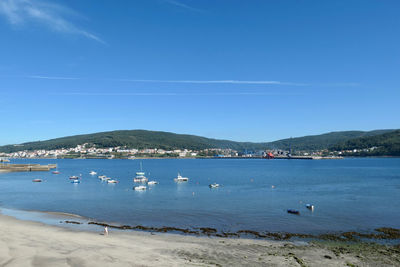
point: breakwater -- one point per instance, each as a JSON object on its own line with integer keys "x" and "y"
{"x": 26, "y": 167}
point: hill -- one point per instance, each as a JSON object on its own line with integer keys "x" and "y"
{"x": 386, "y": 144}
{"x": 165, "y": 140}
{"x": 135, "y": 139}
{"x": 322, "y": 141}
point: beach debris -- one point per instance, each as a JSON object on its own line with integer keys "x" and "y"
{"x": 250, "y": 232}
{"x": 207, "y": 230}
{"x": 383, "y": 233}
{"x": 72, "y": 222}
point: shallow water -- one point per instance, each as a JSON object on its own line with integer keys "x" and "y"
{"x": 349, "y": 194}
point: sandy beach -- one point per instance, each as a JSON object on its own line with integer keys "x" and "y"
{"x": 25, "y": 243}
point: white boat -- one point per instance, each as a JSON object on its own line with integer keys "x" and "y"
{"x": 93, "y": 173}
{"x": 214, "y": 185}
{"x": 112, "y": 181}
{"x": 140, "y": 176}
{"x": 104, "y": 178}
{"x": 140, "y": 188}
{"x": 181, "y": 179}
{"x": 74, "y": 177}
{"x": 310, "y": 207}
{"x": 140, "y": 179}
{"x": 152, "y": 182}
{"x": 75, "y": 181}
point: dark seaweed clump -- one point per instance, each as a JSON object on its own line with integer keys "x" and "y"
{"x": 379, "y": 234}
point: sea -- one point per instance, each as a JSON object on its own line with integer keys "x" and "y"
{"x": 351, "y": 194}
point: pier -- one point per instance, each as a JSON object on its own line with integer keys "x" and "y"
{"x": 279, "y": 157}
{"x": 25, "y": 167}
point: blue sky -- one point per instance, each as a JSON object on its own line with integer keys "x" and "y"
{"x": 242, "y": 70}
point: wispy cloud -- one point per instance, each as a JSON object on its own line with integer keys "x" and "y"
{"x": 205, "y": 82}
{"x": 51, "y": 77}
{"x": 216, "y": 82}
{"x": 53, "y": 16}
{"x": 182, "y": 5}
{"x": 176, "y": 94}
{"x": 245, "y": 82}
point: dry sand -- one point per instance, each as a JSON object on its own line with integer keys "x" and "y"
{"x": 24, "y": 243}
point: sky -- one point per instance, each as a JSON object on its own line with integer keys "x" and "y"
{"x": 257, "y": 70}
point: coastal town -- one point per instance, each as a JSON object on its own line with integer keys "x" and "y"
{"x": 88, "y": 151}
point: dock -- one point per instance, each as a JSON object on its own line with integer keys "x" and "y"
{"x": 294, "y": 157}
{"x": 26, "y": 167}
{"x": 279, "y": 157}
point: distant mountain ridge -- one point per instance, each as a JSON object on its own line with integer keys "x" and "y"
{"x": 165, "y": 140}
{"x": 135, "y": 139}
{"x": 386, "y": 144}
{"x": 323, "y": 141}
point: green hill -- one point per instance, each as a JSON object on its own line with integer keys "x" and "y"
{"x": 387, "y": 144}
{"x": 135, "y": 139}
{"x": 165, "y": 140}
{"x": 322, "y": 141}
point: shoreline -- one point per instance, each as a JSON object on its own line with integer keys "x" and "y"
{"x": 26, "y": 243}
{"x": 385, "y": 235}
{"x": 216, "y": 158}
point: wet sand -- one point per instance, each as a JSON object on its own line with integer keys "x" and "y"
{"x": 25, "y": 243}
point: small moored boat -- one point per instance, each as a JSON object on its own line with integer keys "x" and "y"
{"x": 74, "y": 177}
{"x": 37, "y": 180}
{"x": 310, "y": 207}
{"x": 181, "y": 179}
{"x": 140, "y": 176}
{"x": 152, "y": 182}
{"x": 214, "y": 185}
{"x": 93, "y": 173}
{"x": 104, "y": 178}
{"x": 291, "y": 211}
{"x": 112, "y": 181}
{"x": 140, "y": 188}
{"x": 140, "y": 179}
{"x": 75, "y": 181}
{"x": 55, "y": 172}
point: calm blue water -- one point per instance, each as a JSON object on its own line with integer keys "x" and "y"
{"x": 349, "y": 194}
